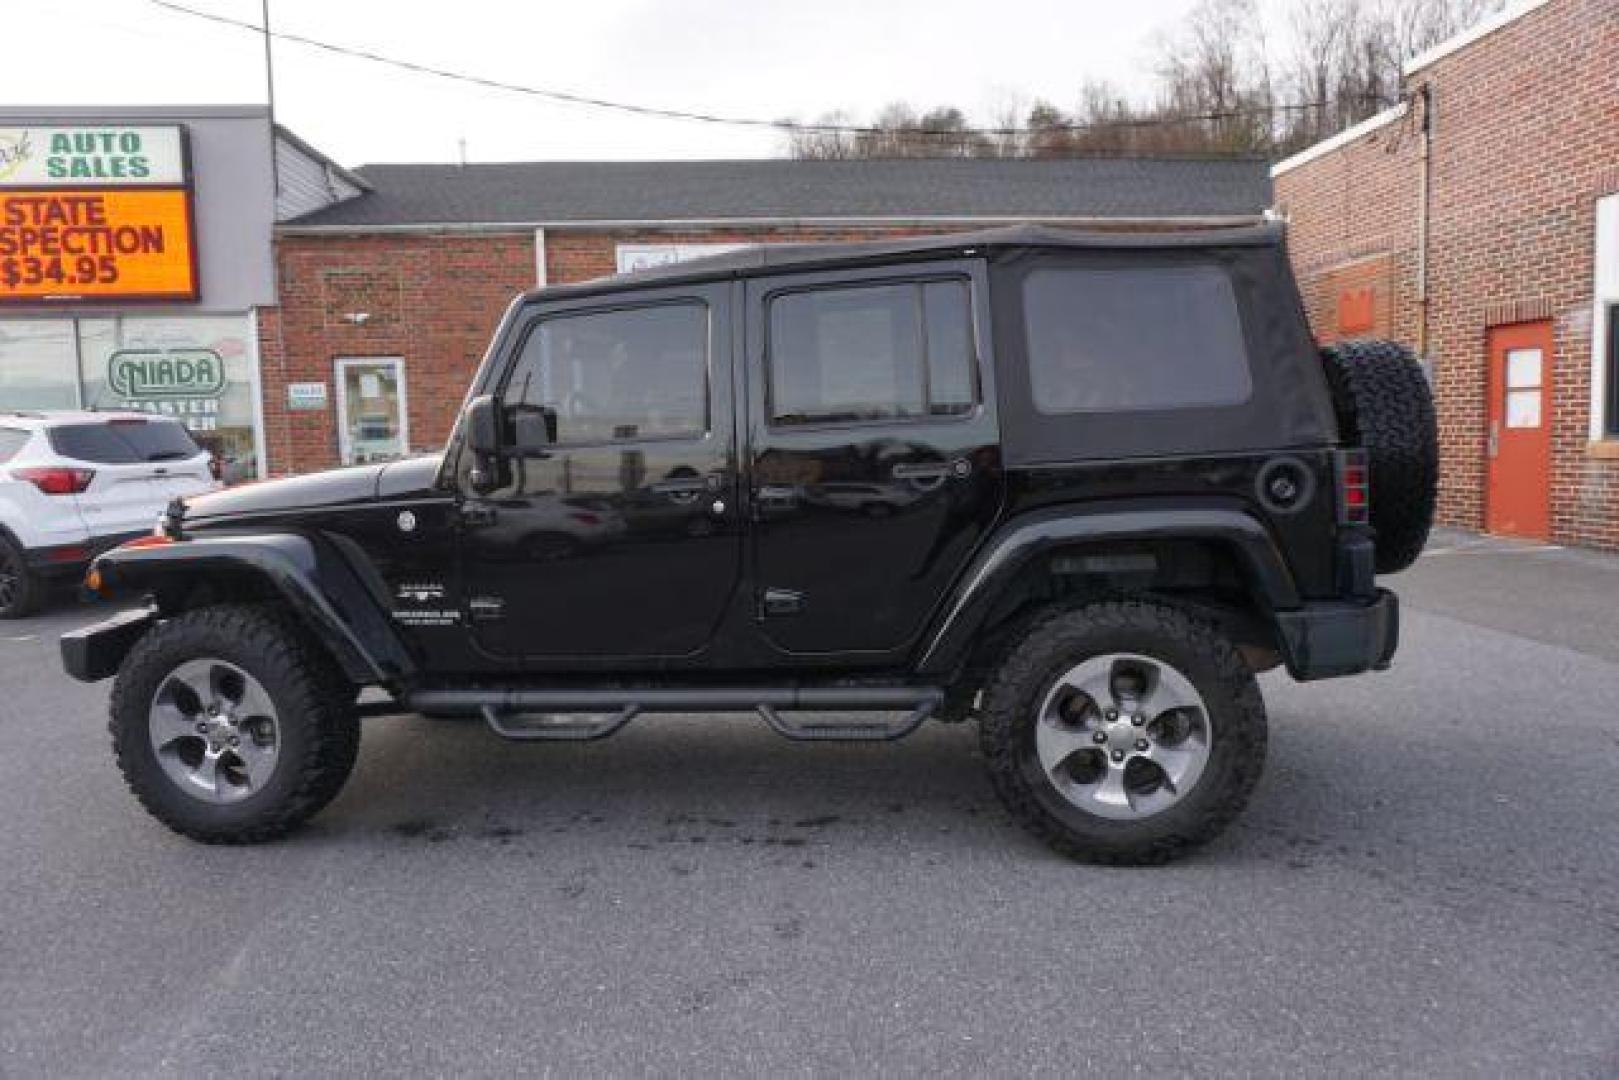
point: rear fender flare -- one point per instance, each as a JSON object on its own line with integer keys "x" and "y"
{"x": 323, "y": 591}
{"x": 1019, "y": 542}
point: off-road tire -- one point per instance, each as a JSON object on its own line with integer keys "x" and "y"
{"x": 1385, "y": 405}
{"x": 319, "y": 729}
{"x": 1065, "y": 637}
{"x": 25, "y": 587}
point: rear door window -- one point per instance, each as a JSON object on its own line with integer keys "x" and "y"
{"x": 1134, "y": 339}
{"x": 11, "y": 441}
{"x": 124, "y": 442}
{"x": 872, "y": 352}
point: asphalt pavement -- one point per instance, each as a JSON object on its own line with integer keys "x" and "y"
{"x": 1427, "y": 882}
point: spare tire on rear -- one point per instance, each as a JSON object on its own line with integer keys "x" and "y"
{"x": 1384, "y": 405}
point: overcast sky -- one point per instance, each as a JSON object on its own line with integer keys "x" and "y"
{"x": 766, "y": 58}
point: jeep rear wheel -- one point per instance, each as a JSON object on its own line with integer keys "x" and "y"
{"x": 1123, "y": 732}
{"x": 230, "y": 726}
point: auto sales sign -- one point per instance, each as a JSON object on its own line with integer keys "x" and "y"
{"x": 95, "y": 213}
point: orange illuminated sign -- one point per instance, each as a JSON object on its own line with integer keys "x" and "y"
{"x": 125, "y": 243}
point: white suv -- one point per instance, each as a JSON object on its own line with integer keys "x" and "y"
{"x": 73, "y": 484}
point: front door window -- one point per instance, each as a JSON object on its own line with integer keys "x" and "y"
{"x": 372, "y": 423}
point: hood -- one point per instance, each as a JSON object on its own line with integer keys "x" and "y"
{"x": 334, "y": 488}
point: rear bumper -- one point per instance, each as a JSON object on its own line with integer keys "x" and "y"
{"x": 95, "y": 652}
{"x": 1341, "y": 637}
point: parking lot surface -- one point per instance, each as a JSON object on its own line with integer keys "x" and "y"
{"x": 1427, "y": 882}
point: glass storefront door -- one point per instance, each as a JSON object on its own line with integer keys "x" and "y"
{"x": 372, "y": 424}
{"x": 200, "y": 369}
{"x": 38, "y": 364}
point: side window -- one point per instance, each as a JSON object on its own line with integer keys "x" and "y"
{"x": 601, "y": 377}
{"x": 1134, "y": 338}
{"x": 872, "y": 352}
{"x": 11, "y": 441}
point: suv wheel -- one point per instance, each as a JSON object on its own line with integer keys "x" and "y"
{"x": 19, "y": 588}
{"x": 1123, "y": 732}
{"x": 230, "y": 726}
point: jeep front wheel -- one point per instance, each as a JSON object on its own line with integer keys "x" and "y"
{"x": 230, "y": 726}
{"x": 1124, "y": 732}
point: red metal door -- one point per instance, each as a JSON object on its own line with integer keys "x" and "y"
{"x": 1519, "y": 440}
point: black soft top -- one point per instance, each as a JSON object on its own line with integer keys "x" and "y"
{"x": 1288, "y": 405}
{"x": 773, "y": 258}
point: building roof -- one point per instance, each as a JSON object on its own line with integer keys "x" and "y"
{"x": 566, "y": 192}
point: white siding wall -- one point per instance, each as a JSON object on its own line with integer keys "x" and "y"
{"x": 306, "y": 183}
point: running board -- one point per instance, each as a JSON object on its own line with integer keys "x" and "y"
{"x": 505, "y": 710}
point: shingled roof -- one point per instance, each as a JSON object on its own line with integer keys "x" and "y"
{"x": 560, "y": 192}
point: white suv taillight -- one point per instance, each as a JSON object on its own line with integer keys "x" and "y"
{"x": 56, "y": 481}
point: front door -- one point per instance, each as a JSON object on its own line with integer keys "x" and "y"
{"x": 619, "y": 541}
{"x": 874, "y": 462}
{"x": 1519, "y": 438}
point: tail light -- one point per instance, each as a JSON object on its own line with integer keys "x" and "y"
{"x": 54, "y": 481}
{"x": 1354, "y": 488}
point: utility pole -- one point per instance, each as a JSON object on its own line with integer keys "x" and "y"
{"x": 269, "y": 92}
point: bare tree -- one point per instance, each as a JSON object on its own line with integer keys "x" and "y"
{"x": 1218, "y": 91}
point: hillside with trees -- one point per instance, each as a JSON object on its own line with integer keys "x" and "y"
{"x": 1220, "y": 87}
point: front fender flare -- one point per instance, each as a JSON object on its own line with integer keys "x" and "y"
{"x": 315, "y": 581}
{"x": 1024, "y": 539}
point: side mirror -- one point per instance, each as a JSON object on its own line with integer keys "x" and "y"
{"x": 483, "y": 428}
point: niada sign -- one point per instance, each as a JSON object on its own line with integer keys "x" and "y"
{"x": 166, "y": 374}
{"x": 91, "y": 156}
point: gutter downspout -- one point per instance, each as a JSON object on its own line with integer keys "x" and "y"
{"x": 1425, "y": 184}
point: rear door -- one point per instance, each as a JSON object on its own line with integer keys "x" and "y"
{"x": 139, "y": 465}
{"x": 873, "y": 456}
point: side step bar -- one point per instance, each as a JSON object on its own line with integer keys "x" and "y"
{"x": 614, "y": 709}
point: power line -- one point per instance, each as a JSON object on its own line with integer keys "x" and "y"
{"x": 791, "y": 126}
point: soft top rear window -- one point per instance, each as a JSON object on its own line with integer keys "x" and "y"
{"x": 1125, "y": 339}
{"x": 124, "y": 442}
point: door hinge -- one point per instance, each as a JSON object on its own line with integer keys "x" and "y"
{"x": 477, "y": 514}
{"x": 782, "y": 601}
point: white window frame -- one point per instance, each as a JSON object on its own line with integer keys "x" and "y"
{"x": 1606, "y": 295}
{"x": 339, "y": 370}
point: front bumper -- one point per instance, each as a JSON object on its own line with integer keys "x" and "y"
{"x": 95, "y": 652}
{"x": 1339, "y": 637}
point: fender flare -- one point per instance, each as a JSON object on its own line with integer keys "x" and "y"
{"x": 1017, "y": 543}
{"x": 318, "y": 584}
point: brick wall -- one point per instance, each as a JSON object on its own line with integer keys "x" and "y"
{"x": 432, "y": 299}
{"x": 1526, "y": 138}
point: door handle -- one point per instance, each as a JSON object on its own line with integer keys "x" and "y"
{"x": 932, "y": 470}
{"x": 1494, "y": 447}
{"x": 681, "y": 489}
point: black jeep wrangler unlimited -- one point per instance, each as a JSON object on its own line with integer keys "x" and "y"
{"x": 1078, "y": 488}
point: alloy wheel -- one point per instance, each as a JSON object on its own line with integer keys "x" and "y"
{"x": 1123, "y": 736}
{"x": 214, "y": 730}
